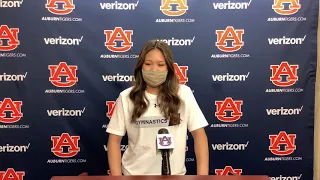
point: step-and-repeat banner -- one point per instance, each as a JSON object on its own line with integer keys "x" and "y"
{"x": 250, "y": 63}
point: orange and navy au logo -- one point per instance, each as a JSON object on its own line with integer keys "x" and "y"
{"x": 14, "y": 109}
{"x": 63, "y": 69}
{"x": 230, "y": 34}
{"x": 110, "y": 106}
{"x": 67, "y": 6}
{"x": 10, "y": 173}
{"x": 288, "y": 140}
{"x": 279, "y": 6}
{"x": 284, "y": 69}
{"x": 167, "y": 7}
{"x": 228, "y": 105}
{"x": 228, "y": 170}
{"x": 181, "y": 72}
{"x": 65, "y": 140}
{"x": 165, "y": 141}
{"x": 118, "y": 35}
{"x": 11, "y": 36}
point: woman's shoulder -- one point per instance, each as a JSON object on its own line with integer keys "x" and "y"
{"x": 184, "y": 89}
{"x": 184, "y": 92}
{"x": 125, "y": 93}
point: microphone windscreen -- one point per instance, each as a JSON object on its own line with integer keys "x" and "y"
{"x": 163, "y": 131}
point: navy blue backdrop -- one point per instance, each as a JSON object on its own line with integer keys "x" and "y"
{"x": 250, "y": 63}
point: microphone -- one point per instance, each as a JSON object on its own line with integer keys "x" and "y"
{"x": 164, "y": 144}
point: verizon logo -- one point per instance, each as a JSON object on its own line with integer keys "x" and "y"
{"x": 63, "y": 41}
{"x": 229, "y": 147}
{"x": 10, "y": 4}
{"x": 286, "y": 177}
{"x": 119, "y": 6}
{"x": 122, "y": 147}
{"x": 118, "y": 78}
{"x": 66, "y": 112}
{"x": 230, "y": 77}
{"x": 13, "y": 77}
{"x": 284, "y": 112}
{"x": 13, "y": 148}
{"x": 232, "y": 5}
{"x": 178, "y": 42}
{"x": 286, "y": 40}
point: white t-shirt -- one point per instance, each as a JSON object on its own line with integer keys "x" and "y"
{"x": 141, "y": 157}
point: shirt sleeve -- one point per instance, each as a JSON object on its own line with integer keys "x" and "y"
{"x": 196, "y": 119}
{"x": 117, "y": 122}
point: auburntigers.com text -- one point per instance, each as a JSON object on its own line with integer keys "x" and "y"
{"x": 52, "y": 161}
{"x": 64, "y": 91}
{"x": 229, "y": 125}
{"x": 111, "y": 56}
{"x": 13, "y": 55}
{"x": 14, "y": 126}
{"x": 60, "y": 19}
{"x": 283, "y": 159}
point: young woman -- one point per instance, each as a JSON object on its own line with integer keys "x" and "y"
{"x": 155, "y": 101}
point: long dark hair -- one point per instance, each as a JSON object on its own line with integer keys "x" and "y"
{"x": 168, "y": 98}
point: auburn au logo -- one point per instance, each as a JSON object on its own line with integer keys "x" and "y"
{"x": 63, "y": 69}
{"x": 181, "y": 72}
{"x": 110, "y": 106}
{"x": 67, "y": 6}
{"x": 124, "y": 37}
{"x": 284, "y": 71}
{"x": 288, "y": 140}
{"x": 165, "y": 141}
{"x": 228, "y": 105}
{"x": 65, "y": 140}
{"x": 279, "y": 6}
{"x": 228, "y": 170}
{"x": 14, "y": 109}
{"x": 230, "y": 34}
{"x": 167, "y": 7}
{"x": 10, "y": 173}
{"x": 11, "y": 35}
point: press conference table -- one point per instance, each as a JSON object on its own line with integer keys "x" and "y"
{"x": 186, "y": 177}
